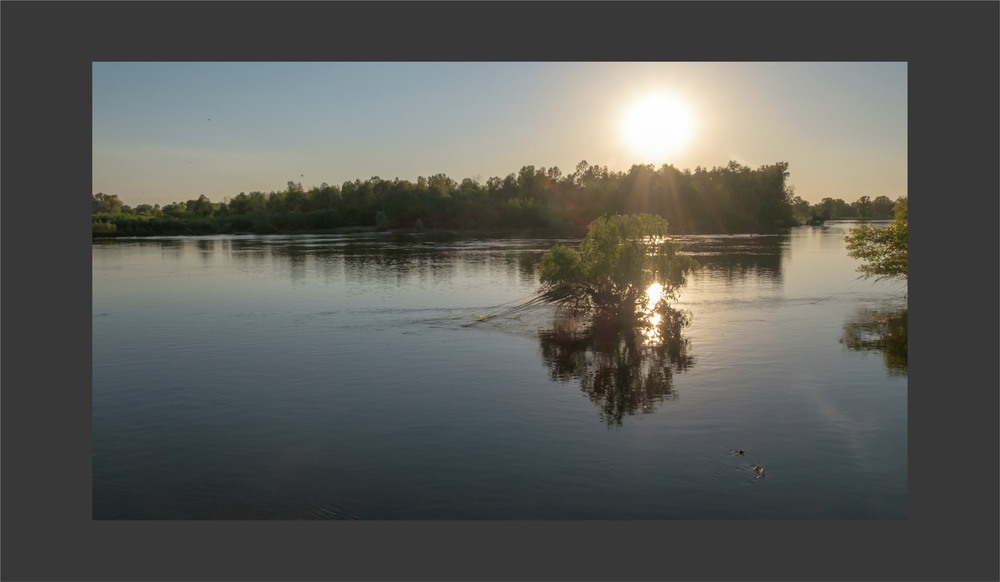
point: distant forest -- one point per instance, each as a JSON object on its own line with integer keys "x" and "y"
{"x": 729, "y": 199}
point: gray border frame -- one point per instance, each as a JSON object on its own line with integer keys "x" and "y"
{"x": 48, "y": 47}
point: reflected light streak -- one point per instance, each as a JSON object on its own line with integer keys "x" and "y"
{"x": 653, "y": 295}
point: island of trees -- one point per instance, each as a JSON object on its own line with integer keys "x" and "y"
{"x": 728, "y": 199}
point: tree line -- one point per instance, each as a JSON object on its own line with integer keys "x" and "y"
{"x": 866, "y": 208}
{"x": 727, "y": 199}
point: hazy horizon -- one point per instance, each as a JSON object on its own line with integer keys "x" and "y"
{"x": 170, "y": 132}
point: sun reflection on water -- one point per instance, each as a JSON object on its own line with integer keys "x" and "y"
{"x": 651, "y": 317}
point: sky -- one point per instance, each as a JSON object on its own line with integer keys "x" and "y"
{"x": 168, "y": 132}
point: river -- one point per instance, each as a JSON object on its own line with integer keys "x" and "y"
{"x": 355, "y": 377}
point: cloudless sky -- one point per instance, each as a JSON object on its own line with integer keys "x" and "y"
{"x": 169, "y": 132}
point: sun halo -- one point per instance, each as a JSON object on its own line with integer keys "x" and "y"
{"x": 657, "y": 126}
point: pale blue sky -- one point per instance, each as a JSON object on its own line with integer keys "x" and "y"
{"x": 167, "y": 132}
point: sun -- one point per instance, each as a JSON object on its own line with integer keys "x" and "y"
{"x": 656, "y": 127}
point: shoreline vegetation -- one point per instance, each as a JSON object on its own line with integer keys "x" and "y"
{"x": 885, "y": 250}
{"x": 731, "y": 199}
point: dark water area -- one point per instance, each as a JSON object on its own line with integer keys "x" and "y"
{"x": 360, "y": 377}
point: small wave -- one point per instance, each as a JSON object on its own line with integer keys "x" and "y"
{"x": 331, "y": 513}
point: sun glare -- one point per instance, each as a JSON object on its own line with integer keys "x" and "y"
{"x": 653, "y": 294}
{"x": 657, "y": 126}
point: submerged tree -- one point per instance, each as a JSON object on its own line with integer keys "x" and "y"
{"x": 626, "y": 348}
{"x": 883, "y": 249}
{"x": 620, "y": 260}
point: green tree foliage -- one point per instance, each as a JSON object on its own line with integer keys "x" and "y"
{"x": 103, "y": 227}
{"x": 800, "y": 208}
{"x": 619, "y": 260}
{"x": 863, "y": 207}
{"x": 883, "y": 249}
{"x": 148, "y": 210}
{"x": 835, "y": 208}
{"x": 102, "y": 203}
{"x": 882, "y": 208}
{"x": 202, "y": 207}
{"x": 324, "y": 197}
{"x": 175, "y": 210}
{"x": 247, "y": 203}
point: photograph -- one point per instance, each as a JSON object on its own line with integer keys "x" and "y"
{"x": 499, "y": 290}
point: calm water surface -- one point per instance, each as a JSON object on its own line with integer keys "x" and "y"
{"x": 351, "y": 377}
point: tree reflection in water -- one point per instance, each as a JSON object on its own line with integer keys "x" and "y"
{"x": 881, "y": 331}
{"x": 625, "y": 367}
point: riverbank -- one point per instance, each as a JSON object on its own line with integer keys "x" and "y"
{"x": 195, "y": 228}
